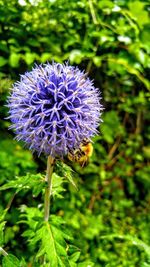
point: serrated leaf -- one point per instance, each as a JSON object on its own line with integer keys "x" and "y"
{"x": 66, "y": 172}
{"x": 57, "y": 188}
{"x": 53, "y": 245}
{"x": 36, "y": 183}
{"x": 30, "y": 216}
{"x": 30, "y": 181}
{"x": 10, "y": 261}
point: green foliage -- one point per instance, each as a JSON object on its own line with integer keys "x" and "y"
{"x": 48, "y": 234}
{"x": 112, "y": 128}
{"x": 66, "y": 172}
{"x": 53, "y": 246}
{"x": 2, "y": 225}
{"x": 11, "y": 261}
{"x": 108, "y": 214}
{"x": 135, "y": 241}
{"x": 30, "y": 181}
{"x": 50, "y": 237}
{"x": 36, "y": 183}
{"x": 14, "y": 159}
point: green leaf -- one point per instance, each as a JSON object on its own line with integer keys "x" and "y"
{"x": 66, "y": 172}
{"x": 53, "y": 245}
{"x": 35, "y": 182}
{"x": 75, "y": 256}
{"x": 137, "y": 9}
{"x": 134, "y": 241}
{"x": 145, "y": 37}
{"x": 30, "y": 57}
{"x": 86, "y": 263}
{"x": 57, "y": 188}
{"x": 143, "y": 175}
{"x": 131, "y": 69}
{"x": 33, "y": 42}
{"x": 97, "y": 61}
{"x": 2, "y": 214}
{"x": 76, "y": 56}
{"x": 3, "y": 46}
{"x": 30, "y": 216}
{"x": 3, "y": 61}
{"x": 10, "y": 261}
{"x": 111, "y": 127}
{"x": 2, "y": 226}
{"x": 14, "y": 60}
{"x": 45, "y": 57}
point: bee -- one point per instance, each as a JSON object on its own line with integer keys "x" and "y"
{"x": 82, "y": 154}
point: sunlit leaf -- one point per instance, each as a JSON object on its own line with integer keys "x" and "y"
{"x": 10, "y": 261}
{"x": 53, "y": 245}
{"x": 33, "y": 182}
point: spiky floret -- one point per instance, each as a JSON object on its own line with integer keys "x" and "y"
{"x": 53, "y": 108}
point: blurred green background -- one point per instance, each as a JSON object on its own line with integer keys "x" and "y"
{"x": 109, "y": 214}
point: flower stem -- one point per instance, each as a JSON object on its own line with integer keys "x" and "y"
{"x": 48, "y": 189}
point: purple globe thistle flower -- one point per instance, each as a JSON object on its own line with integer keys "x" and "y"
{"x": 53, "y": 108}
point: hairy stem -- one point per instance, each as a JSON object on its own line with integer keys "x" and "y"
{"x": 48, "y": 189}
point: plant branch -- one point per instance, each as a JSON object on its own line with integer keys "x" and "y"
{"x": 10, "y": 201}
{"x": 48, "y": 189}
{"x": 138, "y": 122}
{"x": 114, "y": 147}
{"x": 3, "y": 252}
{"x": 92, "y": 12}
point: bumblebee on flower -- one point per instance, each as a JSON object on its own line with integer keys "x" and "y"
{"x": 82, "y": 154}
{"x": 54, "y": 108}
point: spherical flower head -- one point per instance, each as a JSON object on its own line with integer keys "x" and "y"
{"x": 53, "y": 108}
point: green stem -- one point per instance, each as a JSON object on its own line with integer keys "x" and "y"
{"x": 3, "y": 252}
{"x": 48, "y": 189}
{"x": 93, "y": 12}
